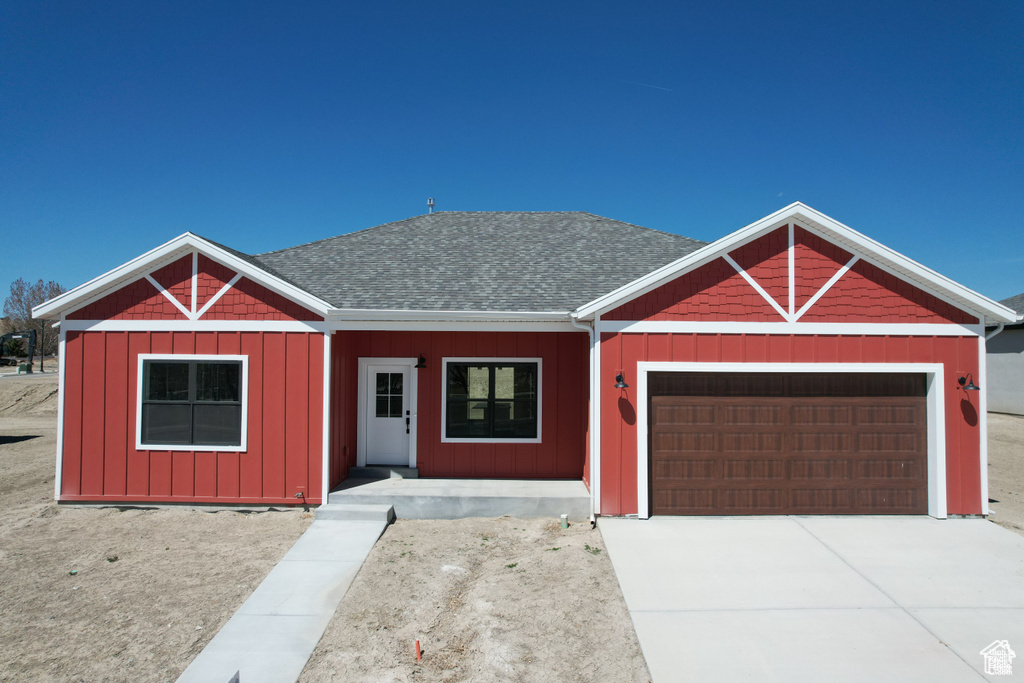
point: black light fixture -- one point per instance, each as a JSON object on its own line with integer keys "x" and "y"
{"x": 620, "y": 383}
{"x": 421, "y": 363}
{"x": 969, "y": 381}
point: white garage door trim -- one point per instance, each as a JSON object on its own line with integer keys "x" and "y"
{"x": 935, "y": 399}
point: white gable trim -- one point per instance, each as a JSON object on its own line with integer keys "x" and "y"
{"x": 874, "y": 252}
{"x": 166, "y": 253}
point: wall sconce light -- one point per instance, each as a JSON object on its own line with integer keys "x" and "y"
{"x": 620, "y": 383}
{"x": 969, "y": 381}
{"x": 422, "y": 363}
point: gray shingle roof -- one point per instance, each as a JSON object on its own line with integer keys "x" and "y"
{"x": 1015, "y": 302}
{"x": 478, "y": 261}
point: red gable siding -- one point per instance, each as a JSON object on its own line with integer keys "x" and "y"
{"x": 767, "y": 261}
{"x": 713, "y": 292}
{"x": 245, "y": 300}
{"x": 176, "y": 278}
{"x": 211, "y": 277}
{"x": 138, "y": 301}
{"x": 717, "y": 292}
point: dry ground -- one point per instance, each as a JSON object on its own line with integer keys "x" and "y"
{"x": 177, "y": 577}
{"x": 488, "y": 599}
{"x": 1006, "y": 470}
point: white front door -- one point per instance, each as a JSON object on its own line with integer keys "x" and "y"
{"x": 388, "y": 414}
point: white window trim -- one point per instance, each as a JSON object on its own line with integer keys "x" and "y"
{"x": 139, "y": 446}
{"x": 488, "y": 360}
{"x": 934, "y": 407}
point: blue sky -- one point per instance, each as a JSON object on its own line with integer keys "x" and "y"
{"x": 264, "y": 125}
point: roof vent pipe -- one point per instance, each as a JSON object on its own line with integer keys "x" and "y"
{"x": 430, "y": 205}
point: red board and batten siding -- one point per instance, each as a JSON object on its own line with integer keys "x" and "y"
{"x": 284, "y": 413}
{"x": 285, "y": 416}
{"x": 564, "y": 389}
{"x": 624, "y": 351}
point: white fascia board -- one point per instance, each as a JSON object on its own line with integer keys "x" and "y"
{"x": 359, "y": 314}
{"x": 817, "y": 222}
{"x": 169, "y": 251}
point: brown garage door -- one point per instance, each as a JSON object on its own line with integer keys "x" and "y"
{"x": 758, "y": 444}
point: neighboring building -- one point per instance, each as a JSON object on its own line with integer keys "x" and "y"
{"x": 1005, "y": 363}
{"x": 793, "y": 366}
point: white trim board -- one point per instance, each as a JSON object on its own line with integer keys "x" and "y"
{"x": 783, "y": 328}
{"x": 313, "y": 326}
{"x": 325, "y": 470}
{"x": 362, "y": 382}
{"x": 194, "y": 326}
{"x": 488, "y": 360}
{"x": 935, "y": 402}
{"x": 242, "y": 447}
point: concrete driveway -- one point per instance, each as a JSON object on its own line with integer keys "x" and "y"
{"x": 820, "y": 598}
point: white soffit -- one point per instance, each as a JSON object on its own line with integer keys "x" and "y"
{"x": 816, "y": 222}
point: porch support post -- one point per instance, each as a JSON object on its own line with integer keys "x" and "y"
{"x": 326, "y": 482}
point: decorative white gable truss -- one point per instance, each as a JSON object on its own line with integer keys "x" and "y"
{"x": 144, "y": 266}
{"x": 817, "y": 223}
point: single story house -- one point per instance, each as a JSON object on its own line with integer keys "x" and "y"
{"x": 1006, "y": 363}
{"x": 793, "y": 366}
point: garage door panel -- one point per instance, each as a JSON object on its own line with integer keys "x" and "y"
{"x": 828, "y": 469}
{"x": 759, "y": 469}
{"x": 673, "y": 441}
{"x": 813, "y": 501}
{"x": 749, "y": 415}
{"x": 886, "y": 469}
{"x": 668, "y": 470}
{"x": 891, "y": 442}
{"x": 821, "y": 442}
{"x": 822, "y": 415}
{"x": 889, "y": 415}
{"x": 779, "y": 444}
{"x": 684, "y": 414}
{"x": 751, "y": 442}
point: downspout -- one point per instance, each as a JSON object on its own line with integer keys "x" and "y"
{"x": 999, "y": 328}
{"x": 593, "y": 410}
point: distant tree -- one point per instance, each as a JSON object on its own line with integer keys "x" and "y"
{"x": 18, "y": 310}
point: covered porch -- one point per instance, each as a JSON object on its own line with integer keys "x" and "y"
{"x": 415, "y": 498}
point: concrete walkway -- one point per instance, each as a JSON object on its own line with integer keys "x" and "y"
{"x": 272, "y": 635}
{"x": 819, "y": 598}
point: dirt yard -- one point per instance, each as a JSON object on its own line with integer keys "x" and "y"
{"x": 91, "y": 594}
{"x": 1006, "y": 470}
{"x": 489, "y": 600}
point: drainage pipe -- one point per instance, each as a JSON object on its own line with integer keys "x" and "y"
{"x": 593, "y": 409}
{"x": 999, "y": 328}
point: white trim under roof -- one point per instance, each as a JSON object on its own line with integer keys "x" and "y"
{"x": 169, "y": 252}
{"x": 828, "y": 228}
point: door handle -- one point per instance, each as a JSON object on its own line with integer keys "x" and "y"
{"x": 406, "y": 425}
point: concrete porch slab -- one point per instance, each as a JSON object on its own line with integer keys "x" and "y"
{"x": 460, "y": 498}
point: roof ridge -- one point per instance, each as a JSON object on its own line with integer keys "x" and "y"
{"x": 486, "y": 213}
